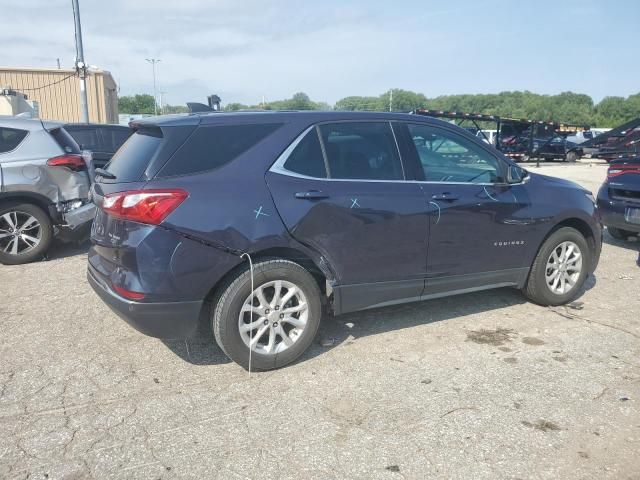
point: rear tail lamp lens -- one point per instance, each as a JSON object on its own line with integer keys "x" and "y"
{"x": 72, "y": 162}
{"x": 143, "y": 206}
{"x": 622, "y": 169}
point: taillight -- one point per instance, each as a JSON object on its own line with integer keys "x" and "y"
{"x": 144, "y": 206}
{"x": 72, "y": 162}
{"x": 123, "y": 292}
{"x": 622, "y": 169}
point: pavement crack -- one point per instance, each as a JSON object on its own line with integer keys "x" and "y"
{"x": 571, "y": 316}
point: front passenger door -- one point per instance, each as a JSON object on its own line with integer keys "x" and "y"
{"x": 478, "y": 222}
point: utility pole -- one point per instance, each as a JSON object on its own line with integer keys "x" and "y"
{"x": 162, "y": 102}
{"x": 81, "y": 67}
{"x": 391, "y": 100}
{"x": 153, "y": 62}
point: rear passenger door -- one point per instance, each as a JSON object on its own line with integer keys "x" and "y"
{"x": 340, "y": 188}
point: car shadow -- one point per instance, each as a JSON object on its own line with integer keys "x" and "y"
{"x": 201, "y": 348}
{"x": 60, "y": 250}
{"x": 633, "y": 243}
{"x": 345, "y": 329}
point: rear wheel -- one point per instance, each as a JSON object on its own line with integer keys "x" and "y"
{"x": 25, "y": 233}
{"x": 619, "y": 233}
{"x": 277, "y": 321}
{"x": 560, "y": 268}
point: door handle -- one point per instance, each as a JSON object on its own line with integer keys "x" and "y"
{"x": 445, "y": 197}
{"x": 311, "y": 195}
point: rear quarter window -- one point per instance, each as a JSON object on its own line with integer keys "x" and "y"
{"x": 210, "y": 147}
{"x": 11, "y": 138}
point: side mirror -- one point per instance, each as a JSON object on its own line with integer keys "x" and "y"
{"x": 516, "y": 174}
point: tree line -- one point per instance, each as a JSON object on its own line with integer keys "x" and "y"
{"x": 566, "y": 107}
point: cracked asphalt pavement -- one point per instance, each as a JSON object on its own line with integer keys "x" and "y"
{"x": 478, "y": 386}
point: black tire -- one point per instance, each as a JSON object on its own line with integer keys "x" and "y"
{"x": 45, "y": 234}
{"x": 619, "y": 234}
{"x": 228, "y": 304}
{"x": 572, "y": 156}
{"x": 536, "y": 288}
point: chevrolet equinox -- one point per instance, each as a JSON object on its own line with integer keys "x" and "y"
{"x": 321, "y": 211}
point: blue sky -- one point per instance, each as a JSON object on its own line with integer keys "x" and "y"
{"x": 244, "y": 49}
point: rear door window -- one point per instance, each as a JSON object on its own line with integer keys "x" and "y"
{"x": 361, "y": 151}
{"x": 130, "y": 162}
{"x": 87, "y": 138}
{"x": 210, "y": 147}
{"x": 113, "y": 138}
{"x": 306, "y": 159}
{"x": 10, "y": 138}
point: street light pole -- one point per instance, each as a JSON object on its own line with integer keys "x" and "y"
{"x": 153, "y": 62}
{"x": 81, "y": 68}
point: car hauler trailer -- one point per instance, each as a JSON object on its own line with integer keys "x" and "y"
{"x": 622, "y": 141}
{"x": 518, "y": 138}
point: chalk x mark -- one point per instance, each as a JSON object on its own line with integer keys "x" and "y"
{"x": 259, "y": 212}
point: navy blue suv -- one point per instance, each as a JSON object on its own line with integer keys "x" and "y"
{"x": 263, "y": 220}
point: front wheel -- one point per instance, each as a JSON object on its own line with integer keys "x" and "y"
{"x": 277, "y": 321}
{"x": 560, "y": 268}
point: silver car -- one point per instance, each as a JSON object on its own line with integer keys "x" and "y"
{"x": 44, "y": 189}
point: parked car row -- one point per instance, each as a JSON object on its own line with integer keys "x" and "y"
{"x": 262, "y": 221}
{"x": 44, "y": 183}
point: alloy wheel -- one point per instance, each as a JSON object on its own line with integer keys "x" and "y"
{"x": 20, "y": 232}
{"x": 273, "y": 317}
{"x": 563, "y": 268}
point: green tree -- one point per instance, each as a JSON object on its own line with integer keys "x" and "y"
{"x": 169, "y": 109}
{"x": 356, "y": 103}
{"x": 141, "y": 103}
{"x": 403, "y": 100}
{"x": 299, "y": 101}
{"x": 235, "y": 107}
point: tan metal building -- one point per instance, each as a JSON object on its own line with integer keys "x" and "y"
{"x": 57, "y": 92}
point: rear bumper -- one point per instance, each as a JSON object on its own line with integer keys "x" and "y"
{"x": 168, "y": 320}
{"x": 612, "y": 211}
{"x": 616, "y": 220}
{"x": 76, "y": 224}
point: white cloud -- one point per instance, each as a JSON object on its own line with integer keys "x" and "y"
{"x": 242, "y": 50}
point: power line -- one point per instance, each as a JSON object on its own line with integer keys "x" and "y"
{"x": 48, "y": 85}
